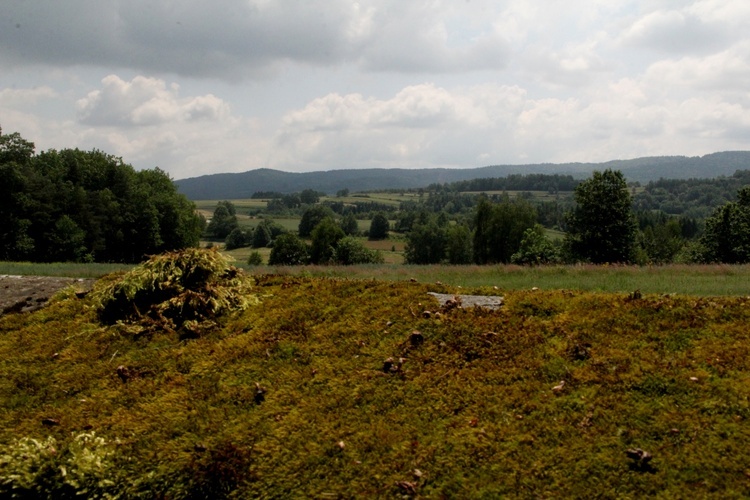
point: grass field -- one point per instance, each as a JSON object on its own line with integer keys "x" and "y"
{"x": 701, "y": 280}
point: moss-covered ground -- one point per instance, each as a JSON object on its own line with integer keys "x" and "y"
{"x": 324, "y": 390}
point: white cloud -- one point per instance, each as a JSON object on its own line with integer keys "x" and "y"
{"x": 728, "y": 70}
{"x": 23, "y": 97}
{"x": 145, "y": 102}
{"x": 385, "y": 83}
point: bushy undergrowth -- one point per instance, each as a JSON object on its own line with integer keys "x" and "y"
{"x": 183, "y": 290}
{"x": 348, "y": 388}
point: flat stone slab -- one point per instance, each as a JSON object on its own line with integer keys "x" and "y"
{"x": 29, "y": 293}
{"x": 467, "y": 301}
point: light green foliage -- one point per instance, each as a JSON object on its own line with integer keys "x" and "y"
{"x": 255, "y": 259}
{"x": 184, "y": 290}
{"x": 536, "y": 248}
{"x": 602, "y": 228}
{"x": 82, "y": 466}
{"x": 289, "y": 250}
{"x": 351, "y": 251}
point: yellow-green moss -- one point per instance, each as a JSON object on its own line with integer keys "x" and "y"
{"x": 471, "y": 412}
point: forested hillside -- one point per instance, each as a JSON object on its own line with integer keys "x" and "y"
{"x": 243, "y": 185}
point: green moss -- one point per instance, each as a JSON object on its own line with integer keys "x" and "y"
{"x": 470, "y": 412}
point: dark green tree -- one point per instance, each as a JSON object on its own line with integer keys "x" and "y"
{"x": 458, "y": 244}
{"x": 15, "y": 149}
{"x": 727, "y": 235}
{"x": 601, "y": 227}
{"x": 311, "y": 218}
{"x": 425, "y": 244}
{"x": 499, "y": 229}
{"x": 238, "y": 238}
{"x": 262, "y": 236}
{"x": 379, "y": 227}
{"x": 309, "y": 197}
{"x": 288, "y": 250}
{"x": 325, "y": 237}
{"x": 223, "y": 221}
{"x": 349, "y": 225}
{"x": 87, "y": 205}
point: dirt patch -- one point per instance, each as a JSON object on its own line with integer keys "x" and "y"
{"x": 29, "y": 293}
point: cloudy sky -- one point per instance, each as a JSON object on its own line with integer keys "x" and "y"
{"x": 197, "y": 87}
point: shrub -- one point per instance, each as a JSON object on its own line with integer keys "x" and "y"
{"x": 174, "y": 290}
{"x": 255, "y": 259}
{"x": 288, "y": 250}
{"x": 351, "y": 251}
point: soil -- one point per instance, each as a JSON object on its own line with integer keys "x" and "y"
{"x": 29, "y": 293}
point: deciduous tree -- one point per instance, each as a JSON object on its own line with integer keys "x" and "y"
{"x": 601, "y": 228}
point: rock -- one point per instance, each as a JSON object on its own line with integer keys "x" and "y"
{"x": 388, "y": 365}
{"x": 260, "y": 394}
{"x": 638, "y": 454}
{"x": 416, "y": 338}
{"x": 123, "y": 373}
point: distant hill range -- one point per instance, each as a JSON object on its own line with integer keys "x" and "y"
{"x": 243, "y": 185}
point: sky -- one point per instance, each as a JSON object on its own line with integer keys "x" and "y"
{"x": 195, "y": 87}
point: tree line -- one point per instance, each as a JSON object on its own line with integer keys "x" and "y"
{"x": 87, "y": 206}
{"x": 600, "y": 226}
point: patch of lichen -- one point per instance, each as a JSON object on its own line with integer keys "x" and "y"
{"x": 295, "y": 397}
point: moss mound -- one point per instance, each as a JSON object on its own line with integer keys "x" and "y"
{"x": 348, "y": 389}
{"x": 175, "y": 291}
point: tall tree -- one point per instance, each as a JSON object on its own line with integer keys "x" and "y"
{"x": 499, "y": 229}
{"x": 379, "y": 227}
{"x": 425, "y": 244}
{"x": 601, "y": 227}
{"x": 325, "y": 237}
{"x": 727, "y": 235}
{"x": 223, "y": 221}
{"x": 311, "y": 218}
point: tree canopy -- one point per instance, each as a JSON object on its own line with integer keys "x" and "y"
{"x": 73, "y": 205}
{"x": 601, "y": 228}
{"x": 727, "y": 235}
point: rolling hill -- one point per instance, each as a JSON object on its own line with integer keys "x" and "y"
{"x": 243, "y": 185}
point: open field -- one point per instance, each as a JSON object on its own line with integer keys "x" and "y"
{"x": 701, "y": 280}
{"x": 709, "y": 280}
{"x": 347, "y": 388}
